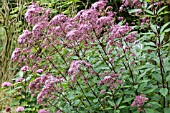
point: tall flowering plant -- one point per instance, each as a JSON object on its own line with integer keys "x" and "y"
{"x": 96, "y": 61}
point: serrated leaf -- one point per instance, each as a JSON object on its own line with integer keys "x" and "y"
{"x": 164, "y": 26}
{"x": 164, "y": 91}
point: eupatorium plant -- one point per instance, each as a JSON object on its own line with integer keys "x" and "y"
{"x": 96, "y": 61}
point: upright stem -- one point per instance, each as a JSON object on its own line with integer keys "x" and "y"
{"x": 58, "y": 52}
{"x": 131, "y": 73}
{"x": 83, "y": 93}
{"x": 161, "y": 68}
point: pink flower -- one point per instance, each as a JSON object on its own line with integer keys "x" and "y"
{"x": 120, "y": 18}
{"x": 25, "y": 68}
{"x": 99, "y": 5}
{"x": 15, "y": 54}
{"x": 111, "y": 60}
{"x": 6, "y": 84}
{"x": 43, "y": 111}
{"x": 19, "y": 79}
{"x": 23, "y": 37}
{"x": 37, "y": 30}
{"x": 75, "y": 68}
{"x": 39, "y": 71}
{"x": 58, "y": 19}
{"x": 59, "y": 111}
{"x": 35, "y": 14}
{"x": 139, "y": 101}
{"x": 73, "y": 34}
{"x": 20, "y": 109}
{"x": 103, "y": 91}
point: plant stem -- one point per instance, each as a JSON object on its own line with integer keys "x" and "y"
{"x": 83, "y": 93}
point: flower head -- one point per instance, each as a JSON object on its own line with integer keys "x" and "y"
{"x": 19, "y": 79}
{"x": 20, "y": 109}
{"x": 99, "y": 5}
{"x": 6, "y": 84}
{"x": 58, "y": 19}
{"x": 23, "y": 37}
{"x": 35, "y": 14}
{"x": 139, "y": 101}
{"x": 15, "y": 54}
{"x": 39, "y": 71}
{"x": 43, "y": 111}
{"x": 25, "y": 68}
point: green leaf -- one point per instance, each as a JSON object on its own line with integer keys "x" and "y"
{"x": 147, "y": 110}
{"x": 168, "y": 78}
{"x": 167, "y": 30}
{"x": 127, "y": 100}
{"x": 141, "y": 87}
{"x": 161, "y": 9}
{"x": 121, "y": 107}
{"x": 166, "y": 110}
{"x": 157, "y": 77}
{"x": 149, "y": 43}
{"x": 153, "y": 27}
{"x": 149, "y": 12}
{"x": 164, "y": 13}
{"x": 155, "y": 104}
{"x": 119, "y": 101}
{"x": 163, "y": 91}
{"x": 134, "y": 10}
{"x": 111, "y": 103}
{"x": 95, "y": 100}
{"x": 164, "y": 26}
{"x": 149, "y": 90}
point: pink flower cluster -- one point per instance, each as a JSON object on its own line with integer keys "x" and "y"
{"x": 99, "y": 5}
{"x": 139, "y": 101}
{"x": 6, "y": 84}
{"x": 39, "y": 29}
{"x": 23, "y": 37}
{"x": 15, "y": 54}
{"x": 36, "y": 14}
{"x": 20, "y": 109}
{"x": 45, "y": 85}
{"x": 117, "y": 32}
{"x": 58, "y": 19}
{"x": 39, "y": 71}
{"x": 19, "y": 79}
{"x": 25, "y": 68}
{"x": 130, "y": 3}
{"x": 130, "y": 37}
{"x": 75, "y": 68}
{"x": 111, "y": 80}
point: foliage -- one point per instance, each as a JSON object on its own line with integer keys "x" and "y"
{"x": 95, "y": 61}
{"x": 12, "y": 23}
